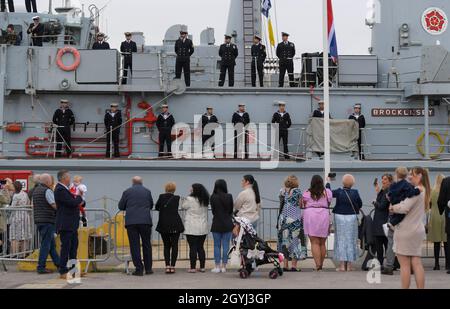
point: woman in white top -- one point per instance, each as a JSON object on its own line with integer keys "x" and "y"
{"x": 196, "y": 224}
{"x": 248, "y": 202}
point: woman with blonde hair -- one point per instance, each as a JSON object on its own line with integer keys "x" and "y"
{"x": 410, "y": 233}
{"x": 290, "y": 223}
{"x": 436, "y": 226}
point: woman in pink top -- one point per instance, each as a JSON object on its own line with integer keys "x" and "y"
{"x": 316, "y": 218}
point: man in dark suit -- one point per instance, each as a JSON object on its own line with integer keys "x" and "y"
{"x": 184, "y": 48}
{"x": 137, "y": 202}
{"x": 64, "y": 119}
{"x": 259, "y": 55}
{"x": 165, "y": 123}
{"x": 100, "y": 44}
{"x": 444, "y": 208}
{"x": 361, "y": 120}
{"x": 208, "y": 120}
{"x": 286, "y": 54}
{"x": 284, "y": 120}
{"x": 10, "y": 6}
{"x": 67, "y": 221}
{"x": 127, "y": 48}
{"x": 113, "y": 122}
{"x": 241, "y": 118}
{"x": 36, "y": 30}
{"x": 228, "y": 52}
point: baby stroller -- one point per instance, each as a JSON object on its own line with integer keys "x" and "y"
{"x": 249, "y": 252}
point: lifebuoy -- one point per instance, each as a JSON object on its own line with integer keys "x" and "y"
{"x": 76, "y": 56}
{"x": 440, "y": 139}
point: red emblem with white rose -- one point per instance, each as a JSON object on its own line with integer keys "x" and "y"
{"x": 434, "y": 21}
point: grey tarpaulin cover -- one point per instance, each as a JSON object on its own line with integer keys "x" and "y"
{"x": 344, "y": 135}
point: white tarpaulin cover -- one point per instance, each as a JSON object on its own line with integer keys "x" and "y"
{"x": 344, "y": 135}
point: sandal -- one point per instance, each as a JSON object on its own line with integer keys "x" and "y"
{"x": 167, "y": 270}
{"x": 294, "y": 270}
{"x": 172, "y": 270}
{"x": 192, "y": 271}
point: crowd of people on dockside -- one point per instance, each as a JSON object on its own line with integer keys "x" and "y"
{"x": 406, "y": 209}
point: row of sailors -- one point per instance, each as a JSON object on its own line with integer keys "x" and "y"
{"x": 228, "y": 51}
{"x": 64, "y": 119}
{"x": 184, "y": 49}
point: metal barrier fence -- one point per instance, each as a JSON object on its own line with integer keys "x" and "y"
{"x": 106, "y": 237}
{"x": 20, "y": 239}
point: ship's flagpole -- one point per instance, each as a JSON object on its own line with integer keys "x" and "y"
{"x": 326, "y": 91}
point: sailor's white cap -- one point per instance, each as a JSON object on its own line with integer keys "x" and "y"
{"x": 36, "y": 18}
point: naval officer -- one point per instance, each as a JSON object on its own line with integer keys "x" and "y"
{"x": 10, "y": 6}
{"x": 64, "y": 119}
{"x": 100, "y": 44}
{"x": 209, "y": 118}
{"x": 127, "y": 48}
{"x": 113, "y": 122}
{"x": 283, "y": 119}
{"x": 259, "y": 55}
{"x": 31, "y": 6}
{"x": 184, "y": 48}
{"x": 165, "y": 123}
{"x": 228, "y": 52}
{"x": 36, "y": 30}
{"x": 241, "y": 117}
{"x": 286, "y": 54}
{"x": 361, "y": 120}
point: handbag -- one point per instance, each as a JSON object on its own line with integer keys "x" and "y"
{"x": 235, "y": 256}
{"x": 354, "y": 209}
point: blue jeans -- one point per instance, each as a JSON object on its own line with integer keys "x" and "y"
{"x": 48, "y": 246}
{"x": 221, "y": 246}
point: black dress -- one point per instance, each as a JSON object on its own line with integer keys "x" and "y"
{"x": 222, "y": 210}
{"x": 169, "y": 217}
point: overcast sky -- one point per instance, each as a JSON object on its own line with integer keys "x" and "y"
{"x": 301, "y": 18}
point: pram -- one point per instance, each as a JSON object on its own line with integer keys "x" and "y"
{"x": 249, "y": 252}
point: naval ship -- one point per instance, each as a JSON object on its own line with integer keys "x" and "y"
{"x": 402, "y": 83}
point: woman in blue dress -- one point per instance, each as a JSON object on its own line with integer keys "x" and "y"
{"x": 290, "y": 224}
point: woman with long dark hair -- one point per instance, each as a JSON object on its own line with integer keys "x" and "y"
{"x": 248, "y": 202}
{"x": 316, "y": 218}
{"x": 196, "y": 224}
{"x": 222, "y": 224}
{"x": 410, "y": 234}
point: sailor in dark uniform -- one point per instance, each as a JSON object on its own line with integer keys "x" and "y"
{"x": 320, "y": 112}
{"x": 228, "y": 52}
{"x": 101, "y": 44}
{"x": 259, "y": 55}
{"x": 207, "y": 119}
{"x": 127, "y": 48}
{"x": 113, "y": 123}
{"x": 184, "y": 48}
{"x": 286, "y": 54}
{"x": 10, "y": 6}
{"x": 64, "y": 119}
{"x": 165, "y": 123}
{"x": 241, "y": 117}
{"x": 31, "y": 6}
{"x": 284, "y": 120}
{"x": 361, "y": 120}
{"x": 36, "y": 30}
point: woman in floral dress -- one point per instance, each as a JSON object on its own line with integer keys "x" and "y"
{"x": 290, "y": 224}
